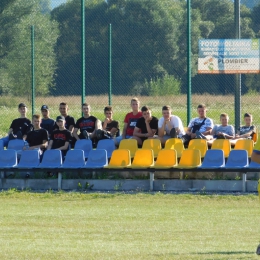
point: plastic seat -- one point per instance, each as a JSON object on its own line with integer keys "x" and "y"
{"x": 199, "y": 144}
{"x": 51, "y": 159}
{"x": 29, "y": 159}
{"x": 74, "y": 159}
{"x": 223, "y": 144}
{"x": 1, "y": 145}
{"x": 129, "y": 144}
{"x": 167, "y": 158}
{"x": 108, "y": 145}
{"x": 97, "y": 159}
{"x": 8, "y": 158}
{"x": 254, "y": 165}
{"x": 16, "y": 144}
{"x": 245, "y": 144}
{"x": 190, "y": 158}
{"x": 143, "y": 158}
{"x": 213, "y": 159}
{"x": 85, "y": 145}
{"x": 237, "y": 159}
{"x": 120, "y": 159}
{"x": 176, "y": 144}
{"x": 154, "y": 144}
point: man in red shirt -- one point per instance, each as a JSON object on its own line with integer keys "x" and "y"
{"x": 130, "y": 121}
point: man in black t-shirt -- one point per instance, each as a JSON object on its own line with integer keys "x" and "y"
{"x": 87, "y": 125}
{"x": 19, "y": 127}
{"x": 38, "y": 137}
{"x": 47, "y": 122}
{"x": 146, "y": 126}
{"x": 60, "y": 138}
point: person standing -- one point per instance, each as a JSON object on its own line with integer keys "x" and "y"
{"x": 47, "y": 123}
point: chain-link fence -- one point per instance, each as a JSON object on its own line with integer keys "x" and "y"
{"x": 132, "y": 48}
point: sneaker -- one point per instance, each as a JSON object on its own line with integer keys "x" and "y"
{"x": 86, "y": 134}
{"x": 173, "y": 133}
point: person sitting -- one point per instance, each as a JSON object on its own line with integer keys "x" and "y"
{"x": 169, "y": 126}
{"x": 198, "y": 127}
{"x": 19, "y": 127}
{"x": 110, "y": 127}
{"x": 248, "y": 130}
{"x": 146, "y": 126}
{"x": 60, "y": 138}
{"x": 130, "y": 121}
{"x": 47, "y": 123}
{"x": 88, "y": 125}
{"x": 223, "y": 131}
{"x": 38, "y": 137}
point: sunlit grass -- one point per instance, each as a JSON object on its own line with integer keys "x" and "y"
{"x": 128, "y": 226}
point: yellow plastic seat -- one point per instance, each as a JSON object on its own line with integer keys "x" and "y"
{"x": 120, "y": 159}
{"x": 154, "y": 144}
{"x": 255, "y": 136}
{"x": 143, "y": 158}
{"x": 199, "y": 144}
{"x": 245, "y": 144}
{"x": 190, "y": 158}
{"x": 222, "y": 144}
{"x": 167, "y": 158}
{"x": 176, "y": 144}
{"x": 129, "y": 144}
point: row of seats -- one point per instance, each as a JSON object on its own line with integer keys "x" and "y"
{"x": 121, "y": 158}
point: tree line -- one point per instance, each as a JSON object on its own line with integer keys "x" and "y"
{"x": 149, "y": 46}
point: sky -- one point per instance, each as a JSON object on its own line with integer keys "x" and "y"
{"x": 55, "y": 3}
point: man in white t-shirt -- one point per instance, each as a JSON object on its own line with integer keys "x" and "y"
{"x": 169, "y": 126}
{"x": 199, "y": 127}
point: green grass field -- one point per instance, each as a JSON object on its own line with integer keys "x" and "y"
{"x": 121, "y": 105}
{"x": 128, "y": 226}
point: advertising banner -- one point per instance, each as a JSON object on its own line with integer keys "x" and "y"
{"x": 229, "y": 56}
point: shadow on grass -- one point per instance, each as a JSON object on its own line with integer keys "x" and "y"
{"x": 226, "y": 253}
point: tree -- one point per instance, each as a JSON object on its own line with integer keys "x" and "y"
{"x": 15, "y": 59}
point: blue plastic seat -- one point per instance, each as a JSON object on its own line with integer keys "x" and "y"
{"x": 1, "y": 144}
{"x": 237, "y": 159}
{"x": 85, "y": 145}
{"x": 97, "y": 159}
{"x": 8, "y": 158}
{"x": 29, "y": 159}
{"x": 16, "y": 144}
{"x": 51, "y": 159}
{"x": 74, "y": 159}
{"x": 213, "y": 159}
{"x": 254, "y": 165}
{"x": 108, "y": 145}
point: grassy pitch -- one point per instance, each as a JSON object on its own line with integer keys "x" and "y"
{"x": 128, "y": 226}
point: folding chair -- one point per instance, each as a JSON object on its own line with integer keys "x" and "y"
{"x": 120, "y": 159}
{"x": 16, "y": 144}
{"x": 108, "y": 145}
{"x": 154, "y": 144}
{"x": 29, "y": 159}
{"x": 85, "y": 145}
{"x": 8, "y": 159}
{"x": 129, "y": 144}
{"x": 176, "y": 144}
{"x": 213, "y": 159}
{"x": 97, "y": 159}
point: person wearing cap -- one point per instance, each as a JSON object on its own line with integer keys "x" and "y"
{"x": 88, "y": 125}
{"x": 19, "y": 127}
{"x": 47, "y": 122}
{"x": 60, "y": 138}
